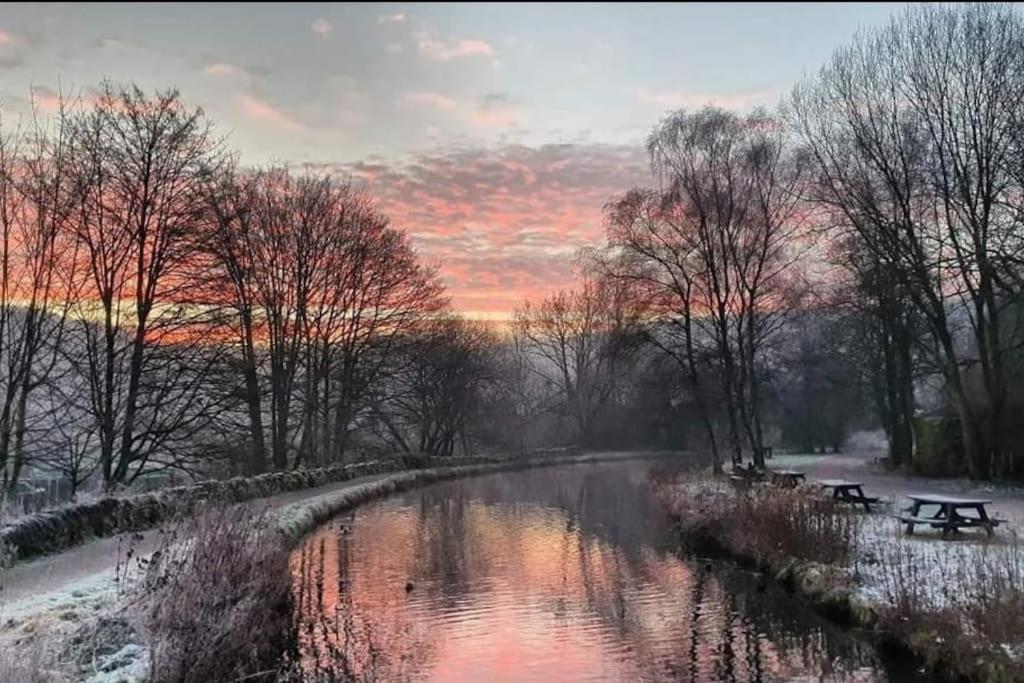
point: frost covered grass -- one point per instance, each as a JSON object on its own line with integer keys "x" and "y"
{"x": 958, "y": 604}
{"x": 763, "y": 523}
{"x": 961, "y": 599}
{"x": 28, "y": 663}
{"x": 215, "y": 598}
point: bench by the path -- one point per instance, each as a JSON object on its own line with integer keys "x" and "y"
{"x": 948, "y": 515}
{"x": 789, "y": 478}
{"x": 844, "y": 491}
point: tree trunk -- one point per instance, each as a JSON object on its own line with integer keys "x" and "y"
{"x": 258, "y": 457}
{"x": 19, "y": 435}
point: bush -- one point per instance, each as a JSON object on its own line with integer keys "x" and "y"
{"x": 215, "y": 599}
{"x": 766, "y": 524}
{"x": 29, "y": 663}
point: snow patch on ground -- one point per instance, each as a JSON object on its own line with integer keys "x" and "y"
{"x": 937, "y": 570}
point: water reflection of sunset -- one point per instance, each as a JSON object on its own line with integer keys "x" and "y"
{"x": 501, "y": 589}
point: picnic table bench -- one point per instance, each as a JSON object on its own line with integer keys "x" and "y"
{"x": 948, "y": 515}
{"x": 788, "y": 477}
{"x": 852, "y": 492}
{"x": 745, "y": 476}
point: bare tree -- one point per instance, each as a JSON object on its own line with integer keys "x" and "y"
{"x": 229, "y": 286}
{"x": 37, "y": 198}
{"x": 881, "y": 325}
{"x": 916, "y": 132}
{"x": 140, "y": 160}
{"x": 717, "y": 243}
{"x": 578, "y": 339}
{"x": 373, "y": 293}
{"x": 433, "y": 395}
{"x": 315, "y": 275}
{"x": 655, "y": 250}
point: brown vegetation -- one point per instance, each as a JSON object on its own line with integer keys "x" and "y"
{"x": 28, "y": 663}
{"x": 765, "y": 524}
{"x": 975, "y": 614}
{"x": 215, "y": 599}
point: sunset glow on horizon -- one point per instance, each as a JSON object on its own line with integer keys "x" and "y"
{"x": 493, "y": 134}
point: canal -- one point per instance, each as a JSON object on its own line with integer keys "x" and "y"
{"x": 551, "y": 574}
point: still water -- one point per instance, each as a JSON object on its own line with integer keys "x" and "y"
{"x": 553, "y": 574}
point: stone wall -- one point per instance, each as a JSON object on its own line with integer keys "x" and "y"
{"x": 75, "y": 523}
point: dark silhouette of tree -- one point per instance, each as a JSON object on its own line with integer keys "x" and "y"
{"x": 915, "y": 129}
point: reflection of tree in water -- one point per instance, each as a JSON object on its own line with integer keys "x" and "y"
{"x": 444, "y": 547}
{"x": 795, "y": 631}
{"x": 338, "y": 639}
{"x": 575, "y": 548}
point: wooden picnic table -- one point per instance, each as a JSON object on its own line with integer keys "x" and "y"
{"x": 848, "y": 492}
{"x": 948, "y": 515}
{"x": 788, "y": 477}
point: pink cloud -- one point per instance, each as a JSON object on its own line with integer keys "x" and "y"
{"x": 47, "y": 99}
{"x": 431, "y": 100}
{"x": 744, "y": 99}
{"x": 322, "y": 27}
{"x": 6, "y": 38}
{"x": 503, "y": 224}
{"x": 224, "y": 70}
{"x": 496, "y": 111}
{"x": 262, "y": 110}
{"x": 443, "y": 52}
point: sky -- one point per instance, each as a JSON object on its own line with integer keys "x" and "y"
{"x": 493, "y": 133}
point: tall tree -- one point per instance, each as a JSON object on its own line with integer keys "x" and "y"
{"x": 916, "y": 132}
{"x": 654, "y": 249}
{"x": 319, "y": 285}
{"x": 881, "y": 324}
{"x": 37, "y": 199}
{"x": 140, "y": 160}
{"x": 726, "y": 236}
{"x": 433, "y": 393}
{"x": 579, "y": 340}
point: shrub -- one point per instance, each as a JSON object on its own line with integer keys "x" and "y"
{"x": 215, "y": 599}
{"x": 28, "y": 663}
{"x": 765, "y": 523}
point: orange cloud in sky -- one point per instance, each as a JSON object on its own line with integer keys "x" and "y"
{"x": 430, "y": 99}
{"x": 503, "y": 224}
{"x": 262, "y": 110}
{"x": 47, "y": 99}
{"x": 443, "y": 52}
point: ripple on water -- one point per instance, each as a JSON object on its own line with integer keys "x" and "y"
{"x": 545, "y": 575}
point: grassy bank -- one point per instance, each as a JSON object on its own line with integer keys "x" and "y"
{"x": 958, "y": 608}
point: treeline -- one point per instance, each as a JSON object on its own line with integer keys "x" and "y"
{"x": 163, "y": 308}
{"x": 858, "y": 250}
{"x": 851, "y": 259}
